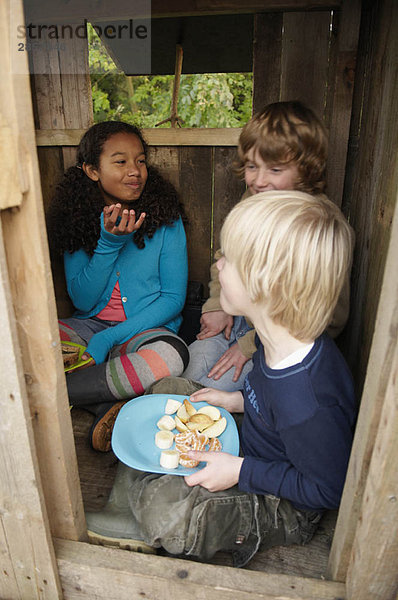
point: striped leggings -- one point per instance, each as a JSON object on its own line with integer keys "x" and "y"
{"x": 134, "y": 365}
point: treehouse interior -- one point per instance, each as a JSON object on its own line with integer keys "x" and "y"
{"x": 340, "y": 58}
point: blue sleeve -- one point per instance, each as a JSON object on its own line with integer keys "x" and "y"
{"x": 163, "y": 307}
{"x": 87, "y": 276}
{"x": 313, "y": 476}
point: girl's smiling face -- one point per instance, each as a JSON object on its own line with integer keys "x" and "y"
{"x": 122, "y": 171}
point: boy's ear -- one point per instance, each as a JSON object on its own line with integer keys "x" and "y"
{"x": 90, "y": 171}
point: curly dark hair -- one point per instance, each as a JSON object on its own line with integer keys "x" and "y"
{"x": 73, "y": 219}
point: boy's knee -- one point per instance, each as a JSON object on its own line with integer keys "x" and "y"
{"x": 174, "y": 385}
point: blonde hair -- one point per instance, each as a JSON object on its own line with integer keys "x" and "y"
{"x": 292, "y": 252}
{"x": 288, "y": 132}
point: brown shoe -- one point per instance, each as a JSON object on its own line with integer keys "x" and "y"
{"x": 101, "y": 430}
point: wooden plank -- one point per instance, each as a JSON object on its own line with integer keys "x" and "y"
{"x": 105, "y": 10}
{"x": 373, "y": 572}
{"x": 167, "y": 160}
{"x": 90, "y": 571}
{"x": 305, "y": 58}
{"x": 340, "y": 105}
{"x": 228, "y": 190}
{"x": 154, "y": 137}
{"x": 195, "y": 187}
{"x": 29, "y": 569}
{"x": 33, "y": 298}
{"x": 267, "y": 54}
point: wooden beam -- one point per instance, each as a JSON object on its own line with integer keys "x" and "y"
{"x": 342, "y": 87}
{"x": 88, "y": 571}
{"x": 31, "y": 287}
{"x": 46, "y": 11}
{"x": 267, "y": 55}
{"x": 154, "y": 137}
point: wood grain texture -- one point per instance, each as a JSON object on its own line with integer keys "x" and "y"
{"x": 87, "y": 571}
{"x": 267, "y": 55}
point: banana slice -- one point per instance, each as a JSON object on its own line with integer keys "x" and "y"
{"x": 164, "y": 439}
{"x": 166, "y": 422}
{"x": 210, "y": 411}
{"x": 172, "y": 406}
{"x": 216, "y": 429}
{"x": 169, "y": 459}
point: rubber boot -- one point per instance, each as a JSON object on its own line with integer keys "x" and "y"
{"x": 115, "y": 525}
{"x": 89, "y": 386}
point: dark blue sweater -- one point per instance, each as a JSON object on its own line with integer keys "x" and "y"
{"x": 297, "y": 428}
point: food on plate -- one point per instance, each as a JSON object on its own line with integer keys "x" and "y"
{"x": 182, "y": 414}
{"x": 215, "y": 445}
{"x": 166, "y": 422}
{"x": 210, "y": 411}
{"x": 172, "y": 406}
{"x": 180, "y": 426}
{"x": 164, "y": 439}
{"x": 70, "y": 354}
{"x": 169, "y": 459}
{"x": 199, "y": 422}
{"x": 197, "y": 430}
{"x": 191, "y": 410}
{"x": 216, "y": 429}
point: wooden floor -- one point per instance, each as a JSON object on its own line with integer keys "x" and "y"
{"x": 97, "y": 472}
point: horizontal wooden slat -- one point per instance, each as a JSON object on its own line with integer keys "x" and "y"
{"x": 88, "y": 571}
{"x": 154, "y": 137}
{"x": 46, "y": 11}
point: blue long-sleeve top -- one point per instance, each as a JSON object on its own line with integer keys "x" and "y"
{"x": 152, "y": 283}
{"x": 297, "y": 428}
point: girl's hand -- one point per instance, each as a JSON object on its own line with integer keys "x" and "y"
{"x": 215, "y": 322}
{"x": 86, "y": 356}
{"x": 127, "y": 223}
{"x": 231, "y": 401}
{"x": 220, "y": 473}
{"x": 233, "y": 357}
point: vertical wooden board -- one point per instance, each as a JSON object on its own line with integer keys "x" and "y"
{"x": 166, "y": 159}
{"x": 345, "y": 34}
{"x": 267, "y": 54}
{"x": 51, "y": 170}
{"x": 27, "y": 556}
{"x": 305, "y": 58}
{"x": 196, "y": 191}
{"x": 373, "y": 572}
{"x": 228, "y": 190}
{"x": 31, "y": 287}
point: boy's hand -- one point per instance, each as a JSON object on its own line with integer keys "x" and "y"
{"x": 213, "y": 323}
{"x": 233, "y": 357}
{"x": 86, "y": 356}
{"x": 127, "y": 223}
{"x": 220, "y": 473}
{"x": 231, "y": 401}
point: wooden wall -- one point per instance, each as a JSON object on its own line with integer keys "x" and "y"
{"x": 296, "y": 55}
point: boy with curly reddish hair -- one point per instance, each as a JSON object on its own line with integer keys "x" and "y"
{"x": 283, "y": 147}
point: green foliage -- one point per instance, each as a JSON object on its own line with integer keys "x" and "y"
{"x": 209, "y": 100}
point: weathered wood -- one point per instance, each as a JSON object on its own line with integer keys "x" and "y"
{"x": 305, "y": 58}
{"x": 267, "y": 54}
{"x": 87, "y": 571}
{"x": 28, "y": 566}
{"x": 371, "y": 426}
{"x": 106, "y": 9}
{"x": 154, "y": 137}
{"x": 341, "y": 82}
{"x": 195, "y": 187}
{"x": 32, "y": 292}
{"x": 372, "y": 572}
{"x": 228, "y": 190}
{"x": 372, "y": 176}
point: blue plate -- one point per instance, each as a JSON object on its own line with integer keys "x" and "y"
{"x": 133, "y": 437}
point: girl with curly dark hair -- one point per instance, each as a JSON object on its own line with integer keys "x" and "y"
{"x": 118, "y": 224}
